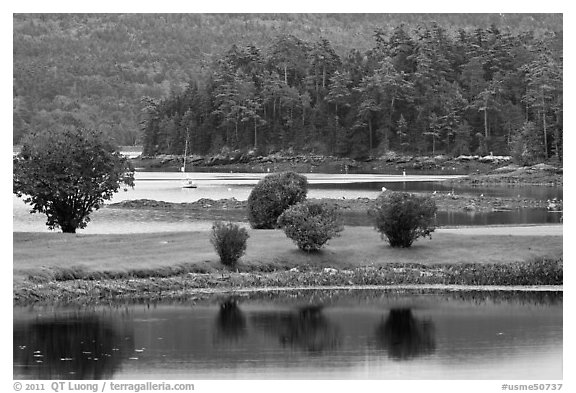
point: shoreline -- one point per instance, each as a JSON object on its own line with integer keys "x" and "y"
{"x": 415, "y": 287}
{"x": 460, "y": 278}
{"x": 478, "y": 170}
{"x": 195, "y": 294}
{"x": 444, "y": 202}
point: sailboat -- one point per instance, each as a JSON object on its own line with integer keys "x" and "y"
{"x": 187, "y": 182}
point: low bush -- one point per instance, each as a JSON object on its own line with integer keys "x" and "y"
{"x": 402, "y": 217}
{"x": 274, "y": 194}
{"x": 229, "y": 240}
{"x": 310, "y": 224}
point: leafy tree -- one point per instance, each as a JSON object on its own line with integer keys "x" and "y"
{"x": 67, "y": 174}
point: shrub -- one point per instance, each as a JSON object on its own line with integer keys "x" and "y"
{"x": 274, "y": 194}
{"x": 402, "y": 217}
{"x": 229, "y": 240}
{"x": 310, "y": 225}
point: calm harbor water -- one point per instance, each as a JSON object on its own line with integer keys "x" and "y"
{"x": 166, "y": 186}
{"x": 352, "y": 334}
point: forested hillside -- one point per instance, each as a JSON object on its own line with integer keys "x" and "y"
{"x": 345, "y": 84}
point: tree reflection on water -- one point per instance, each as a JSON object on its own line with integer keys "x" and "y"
{"x": 306, "y": 329}
{"x": 404, "y": 336}
{"x": 230, "y": 322}
{"x": 69, "y": 348}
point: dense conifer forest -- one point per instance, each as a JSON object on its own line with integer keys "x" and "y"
{"x": 340, "y": 84}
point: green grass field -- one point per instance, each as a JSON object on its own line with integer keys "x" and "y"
{"x": 52, "y": 255}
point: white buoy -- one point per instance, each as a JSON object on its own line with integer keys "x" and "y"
{"x": 383, "y": 189}
{"x": 403, "y": 173}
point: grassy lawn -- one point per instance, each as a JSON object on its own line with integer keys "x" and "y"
{"x": 47, "y": 255}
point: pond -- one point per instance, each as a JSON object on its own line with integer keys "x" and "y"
{"x": 314, "y": 334}
{"x": 166, "y": 186}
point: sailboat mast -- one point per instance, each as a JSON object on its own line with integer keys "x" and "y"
{"x": 185, "y": 154}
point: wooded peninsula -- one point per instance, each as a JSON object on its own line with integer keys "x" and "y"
{"x": 348, "y": 85}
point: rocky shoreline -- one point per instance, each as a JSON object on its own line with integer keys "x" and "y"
{"x": 539, "y": 174}
{"x": 444, "y": 201}
{"x": 480, "y": 169}
{"x": 281, "y": 161}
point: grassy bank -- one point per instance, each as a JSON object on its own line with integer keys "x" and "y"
{"x": 58, "y": 256}
{"x": 540, "y": 271}
{"x": 56, "y": 266}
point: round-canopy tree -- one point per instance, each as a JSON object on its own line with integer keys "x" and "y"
{"x": 67, "y": 174}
